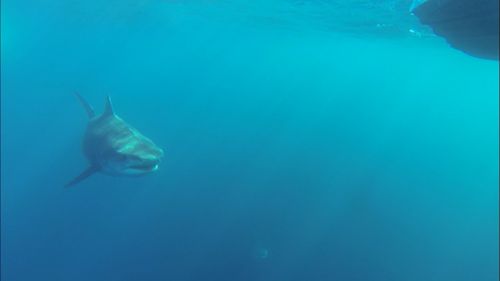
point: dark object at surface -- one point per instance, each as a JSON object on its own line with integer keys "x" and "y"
{"x": 468, "y": 25}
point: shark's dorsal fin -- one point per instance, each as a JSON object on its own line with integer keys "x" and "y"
{"x": 85, "y": 174}
{"x": 108, "y": 109}
{"x": 86, "y": 106}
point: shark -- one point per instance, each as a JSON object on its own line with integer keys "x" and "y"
{"x": 114, "y": 147}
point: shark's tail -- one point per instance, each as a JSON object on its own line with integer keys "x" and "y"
{"x": 88, "y": 108}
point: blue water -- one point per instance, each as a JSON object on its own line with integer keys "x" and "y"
{"x": 304, "y": 141}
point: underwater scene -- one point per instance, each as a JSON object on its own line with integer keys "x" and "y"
{"x": 238, "y": 140}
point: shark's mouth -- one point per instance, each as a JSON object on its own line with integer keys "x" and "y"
{"x": 145, "y": 167}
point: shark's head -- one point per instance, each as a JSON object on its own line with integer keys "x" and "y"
{"x": 137, "y": 156}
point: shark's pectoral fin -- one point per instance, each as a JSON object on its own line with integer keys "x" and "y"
{"x": 85, "y": 174}
{"x": 88, "y": 108}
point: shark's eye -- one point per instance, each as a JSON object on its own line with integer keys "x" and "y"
{"x": 126, "y": 157}
{"x": 121, "y": 157}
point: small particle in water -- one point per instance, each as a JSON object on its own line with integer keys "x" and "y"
{"x": 414, "y": 32}
{"x": 262, "y": 253}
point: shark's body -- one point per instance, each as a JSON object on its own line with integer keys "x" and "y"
{"x": 467, "y": 25}
{"x": 114, "y": 147}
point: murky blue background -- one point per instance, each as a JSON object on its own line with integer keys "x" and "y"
{"x": 304, "y": 141}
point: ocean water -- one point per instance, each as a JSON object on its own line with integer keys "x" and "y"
{"x": 304, "y": 141}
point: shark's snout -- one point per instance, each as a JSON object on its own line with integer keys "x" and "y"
{"x": 138, "y": 161}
